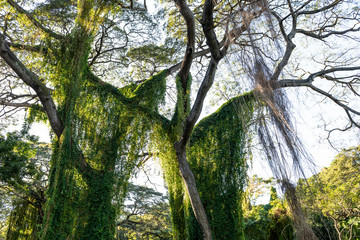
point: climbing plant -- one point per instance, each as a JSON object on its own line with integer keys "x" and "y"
{"x": 83, "y": 66}
{"x": 218, "y": 158}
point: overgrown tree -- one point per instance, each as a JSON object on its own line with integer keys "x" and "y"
{"x": 68, "y": 53}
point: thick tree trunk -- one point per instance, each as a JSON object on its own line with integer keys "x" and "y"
{"x": 190, "y": 184}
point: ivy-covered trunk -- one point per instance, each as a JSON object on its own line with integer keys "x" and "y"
{"x": 80, "y": 193}
{"x": 214, "y": 171}
{"x": 192, "y": 192}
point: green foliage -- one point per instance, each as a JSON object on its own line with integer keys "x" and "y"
{"x": 102, "y": 137}
{"x": 182, "y": 107}
{"x": 14, "y": 155}
{"x": 25, "y": 219}
{"x": 333, "y": 195}
{"x": 147, "y": 58}
{"x": 152, "y": 92}
{"x": 36, "y": 114}
{"x": 22, "y": 164}
{"x": 217, "y": 157}
{"x": 162, "y": 142}
{"x": 145, "y": 215}
{"x": 269, "y": 221}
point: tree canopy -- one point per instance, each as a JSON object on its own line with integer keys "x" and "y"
{"x": 334, "y": 193}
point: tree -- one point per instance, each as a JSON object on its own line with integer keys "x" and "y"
{"x": 68, "y": 52}
{"x": 23, "y": 180}
{"x": 266, "y": 221}
{"x": 146, "y": 215}
{"x": 334, "y": 193}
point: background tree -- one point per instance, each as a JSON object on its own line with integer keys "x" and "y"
{"x": 145, "y": 215}
{"x": 266, "y": 221}
{"x": 334, "y": 192}
{"x": 23, "y": 181}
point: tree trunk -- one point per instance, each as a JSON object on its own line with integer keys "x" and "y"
{"x": 303, "y": 230}
{"x": 190, "y": 184}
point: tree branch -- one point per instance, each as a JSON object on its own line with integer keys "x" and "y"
{"x": 34, "y": 21}
{"x": 199, "y": 101}
{"x": 9, "y": 104}
{"x": 32, "y": 80}
{"x": 308, "y": 83}
{"x": 333, "y": 4}
{"x": 190, "y": 49}
{"x": 35, "y": 48}
{"x": 207, "y": 23}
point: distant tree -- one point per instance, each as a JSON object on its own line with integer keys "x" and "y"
{"x": 24, "y": 166}
{"x": 335, "y": 194}
{"x": 145, "y": 215}
{"x": 267, "y": 221}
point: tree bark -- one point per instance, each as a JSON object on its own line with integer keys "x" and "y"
{"x": 192, "y": 191}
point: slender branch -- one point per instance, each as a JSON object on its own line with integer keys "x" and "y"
{"x": 308, "y": 83}
{"x": 290, "y": 46}
{"x": 320, "y": 36}
{"x": 9, "y": 104}
{"x": 334, "y": 99}
{"x": 333, "y": 4}
{"x": 199, "y": 101}
{"x": 189, "y": 54}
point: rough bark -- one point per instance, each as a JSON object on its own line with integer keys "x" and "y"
{"x": 192, "y": 191}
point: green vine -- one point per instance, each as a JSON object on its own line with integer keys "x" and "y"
{"x": 217, "y": 157}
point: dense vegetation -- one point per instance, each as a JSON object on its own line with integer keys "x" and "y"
{"x": 330, "y": 199}
{"x": 116, "y": 87}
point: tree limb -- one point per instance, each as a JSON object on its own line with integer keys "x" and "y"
{"x": 207, "y": 23}
{"x": 9, "y": 104}
{"x": 32, "y": 80}
{"x": 199, "y": 101}
{"x": 35, "y": 48}
{"x": 190, "y": 49}
{"x": 34, "y": 21}
{"x": 308, "y": 83}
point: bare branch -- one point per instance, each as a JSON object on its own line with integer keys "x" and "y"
{"x": 199, "y": 101}
{"x": 321, "y": 36}
{"x": 10, "y": 104}
{"x": 308, "y": 83}
{"x": 189, "y": 54}
{"x": 207, "y": 23}
{"x": 333, "y": 4}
